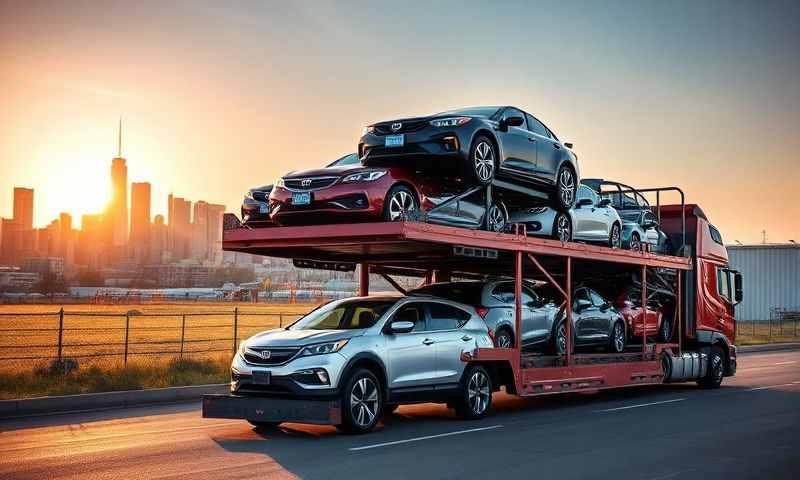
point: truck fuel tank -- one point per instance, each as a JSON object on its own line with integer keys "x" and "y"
{"x": 689, "y": 366}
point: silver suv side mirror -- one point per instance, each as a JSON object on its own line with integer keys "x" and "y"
{"x": 401, "y": 326}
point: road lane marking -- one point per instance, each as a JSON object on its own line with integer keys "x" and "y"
{"x": 785, "y": 363}
{"x": 427, "y": 437}
{"x": 767, "y": 387}
{"x": 640, "y": 405}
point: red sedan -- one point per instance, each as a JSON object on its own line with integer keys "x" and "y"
{"x": 630, "y": 307}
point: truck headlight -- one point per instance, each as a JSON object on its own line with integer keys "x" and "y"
{"x": 368, "y": 129}
{"x": 450, "y": 122}
{"x": 323, "y": 348}
{"x": 368, "y": 176}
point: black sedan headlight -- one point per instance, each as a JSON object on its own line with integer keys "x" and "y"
{"x": 450, "y": 122}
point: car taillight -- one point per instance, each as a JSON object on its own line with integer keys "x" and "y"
{"x": 482, "y": 311}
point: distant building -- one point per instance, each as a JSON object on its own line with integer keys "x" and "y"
{"x": 215, "y": 214}
{"x": 45, "y": 266}
{"x": 180, "y": 276}
{"x": 180, "y": 227}
{"x": 140, "y": 221}
{"x": 770, "y": 277}
{"x": 23, "y": 207}
{"x": 200, "y": 231}
{"x": 15, "y": 279}
{"x": 158, "y": 241}
{"x": 90, "y": 241}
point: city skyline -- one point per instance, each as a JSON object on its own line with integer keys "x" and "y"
{"x": 651, "y": 95}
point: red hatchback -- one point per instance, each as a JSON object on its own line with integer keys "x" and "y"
{"x": 348, "y": 191}
{"x": 629, "y": 306}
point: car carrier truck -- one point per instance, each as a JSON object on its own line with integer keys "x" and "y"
{"x": 698, "y": 284}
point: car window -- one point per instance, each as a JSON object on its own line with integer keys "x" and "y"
{"x": 586, "y": 192}
{"x": 504, "y": 292}
{"x": 446, "y": 317}
{"x": 351, "y": 159}
{"x": 597, "y": 300}
{"x": 411, "y": 313}
{"x": 723, "y": 284}
{"x": 649, "y": 217}
{"x": 552, "y": 135}
{"x": 344, "y": 315}
{"x": 580, "y": 294}
{"x": 715, "y": 235}
{"x": 466, "y": 292}
{"x": 536, "y": 126}
{"x": 513, "y": 112}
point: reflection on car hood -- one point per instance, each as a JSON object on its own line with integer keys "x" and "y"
{"x": 299, "y": 338}
{"x": 265, "y": 188}
{"x": 326, "y": 172}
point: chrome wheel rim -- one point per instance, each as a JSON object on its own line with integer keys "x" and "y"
{"x": 562, "y": 228}
{"x": 717, "y": 366}
{"x": 504, "y": 341}
{"x": 478, "y": 392}
{"x": 497, "y": 219}
{"x": 619, "y": 338}
{"x": 364, "y": 400}
{"x": 665, "y": 330}
{"x": 401, "y": 205}
{"x": 561, "y": 339}
{"x": 615, "y": 241}
{"x": 636, "y": 245}
{"x": 567, "y": 186}
{"x": 483, "y": 161}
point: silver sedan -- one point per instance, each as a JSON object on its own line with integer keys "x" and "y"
{"x": 591, "y": 220}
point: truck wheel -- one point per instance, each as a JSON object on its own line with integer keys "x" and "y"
{"x": 665, "y": 332}
{"x": 476, "y": 394}
{"x": 715, "y": 370}
{"x": 361, "y": 402}
{"x": 617, "y": 343}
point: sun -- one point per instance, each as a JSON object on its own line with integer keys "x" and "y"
{"x": 78, "y": 186}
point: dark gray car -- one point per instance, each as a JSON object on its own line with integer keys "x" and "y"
{"x": 595, "y": 321}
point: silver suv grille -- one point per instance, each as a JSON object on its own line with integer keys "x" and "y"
{"x": 275, "y": 355}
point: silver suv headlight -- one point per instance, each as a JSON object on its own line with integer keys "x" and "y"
{"x": 323, "y": 348}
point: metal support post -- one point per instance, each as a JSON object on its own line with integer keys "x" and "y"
{"x": 363, "y": 280}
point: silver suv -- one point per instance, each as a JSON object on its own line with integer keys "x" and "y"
{"x": 372, "y": 353}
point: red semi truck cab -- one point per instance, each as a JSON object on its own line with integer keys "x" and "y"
{"x": 712, "y": 288}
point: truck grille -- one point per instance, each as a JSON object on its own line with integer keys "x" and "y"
{"x": 277, "y": 355}
{"x": 406, "y": 127}
{"x": 309, "y": 183}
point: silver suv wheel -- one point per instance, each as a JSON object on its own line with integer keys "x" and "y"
{"x": 479, "y": 392}
{"x": 364, "y": 402}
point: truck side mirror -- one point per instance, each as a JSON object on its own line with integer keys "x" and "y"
{"x": 738, "y": 290}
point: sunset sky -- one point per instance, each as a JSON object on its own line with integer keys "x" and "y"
{"x": 218, "y": 97}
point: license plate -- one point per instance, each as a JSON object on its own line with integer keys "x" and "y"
{"x": 263, "y": 208}
{"x": 394, "y": 140}
{"x": 261, "y": 377}
{"x": 301, "y": 198}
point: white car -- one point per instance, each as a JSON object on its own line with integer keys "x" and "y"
{"x": 591, "y": 220}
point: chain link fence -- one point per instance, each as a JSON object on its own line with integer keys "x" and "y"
{"x": 783, "y": 325}
{"x": 29, "y": 340}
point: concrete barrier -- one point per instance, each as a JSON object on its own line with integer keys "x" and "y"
{"x": 106, "y": 400}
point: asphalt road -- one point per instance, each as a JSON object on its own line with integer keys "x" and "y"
{"x": 750, "y": 428}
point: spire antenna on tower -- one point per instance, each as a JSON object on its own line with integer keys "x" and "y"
{"x": 119, "y": 139}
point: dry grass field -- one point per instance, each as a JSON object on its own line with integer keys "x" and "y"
{"x": 95, "y": 335}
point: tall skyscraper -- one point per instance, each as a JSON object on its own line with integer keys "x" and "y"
{"x": 215, "y": 214}
{"x": 158, "y": 240}
{"x": 200, "y": 230}
{"x": 140, "y": 221}
{"x": 180, "y": 227}
{"x": 118, "y": 208}
{"x": 23, "y": 207}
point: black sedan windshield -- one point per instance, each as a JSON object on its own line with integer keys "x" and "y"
{"x": 344, "y": 315}
{"x": 487, "y": 112}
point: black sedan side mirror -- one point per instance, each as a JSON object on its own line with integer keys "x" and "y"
{"x": 568, "y": 144}
{"x": 514, "y": 121}
{"x": 583, "y": 202}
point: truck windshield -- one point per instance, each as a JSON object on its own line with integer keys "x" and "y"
{"x": 344, "y": 315}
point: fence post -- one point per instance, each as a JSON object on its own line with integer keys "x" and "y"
{"x": 770, "y": 327}
{"x": 280, "y": 319}
{"x": 183, "y": 334}
{"x": 235, "y": 326}
{"x": 127, "y": 328}
{"x": 60, "y": 332}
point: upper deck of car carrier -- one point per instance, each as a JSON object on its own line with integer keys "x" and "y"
{"x": 438, "y": 253}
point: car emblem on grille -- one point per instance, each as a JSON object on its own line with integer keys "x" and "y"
{"x": 305, "y": 182}
{"x": 265, "y": 354}
{"x": 396, "y": 126}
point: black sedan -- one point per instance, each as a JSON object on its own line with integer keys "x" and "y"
{"x": 481, "y": 143}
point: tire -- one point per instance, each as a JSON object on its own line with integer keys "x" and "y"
{"x": 399, "y": 204}
{"x": 562, "y": 227}
{"x": 618, "y": 341}
{"x": 504, "y": 339}
{"x": 264, "y": 425}
{"x": 482, "y": 160}
{"x": 496, "y": 217}
{"x": 614, "y": 236}
{"x": 558, "y": 339}
{"x": 636, "y": 243}
{"x": 665, "y": 330}
{"x": 566, "y": 187}
{"x": 715, "y": 370}
{"x": 476, "y": 393}
{"x": 362, "y": 402}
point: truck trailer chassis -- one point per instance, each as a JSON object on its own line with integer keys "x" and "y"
{"x": 437, "y": 253}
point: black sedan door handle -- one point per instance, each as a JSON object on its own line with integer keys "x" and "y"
{"x": 557, "y": 146}
{"x": 531, "y": 139}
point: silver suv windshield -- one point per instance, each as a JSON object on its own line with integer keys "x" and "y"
{"x": 344, "y": 315}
